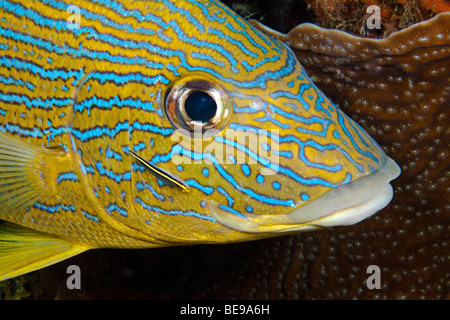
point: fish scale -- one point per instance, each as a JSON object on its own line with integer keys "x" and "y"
{"x": 93, "y": 92}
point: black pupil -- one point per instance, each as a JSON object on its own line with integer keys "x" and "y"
{"x": 200, "y": 106}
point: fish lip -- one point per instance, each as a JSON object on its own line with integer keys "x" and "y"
{"x": 345, "y": 205}
{"x": 357, "y": 213}
{"x": 350, "y": 195}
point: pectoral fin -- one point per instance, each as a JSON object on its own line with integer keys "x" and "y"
{"x": 24, "y": 250}
{"x": 27, "y": 173}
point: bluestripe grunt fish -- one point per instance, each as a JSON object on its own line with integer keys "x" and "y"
{"x": 139, "y": 124}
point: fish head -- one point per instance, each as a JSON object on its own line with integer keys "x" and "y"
{"x": 260, "y": 149}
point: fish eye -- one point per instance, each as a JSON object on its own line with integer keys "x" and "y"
{"x": 198, "y": 104}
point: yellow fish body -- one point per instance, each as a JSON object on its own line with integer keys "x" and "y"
{"x": 133, "y": 124}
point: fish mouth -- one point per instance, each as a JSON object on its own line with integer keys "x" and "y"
{"x": 345, "y": 205}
